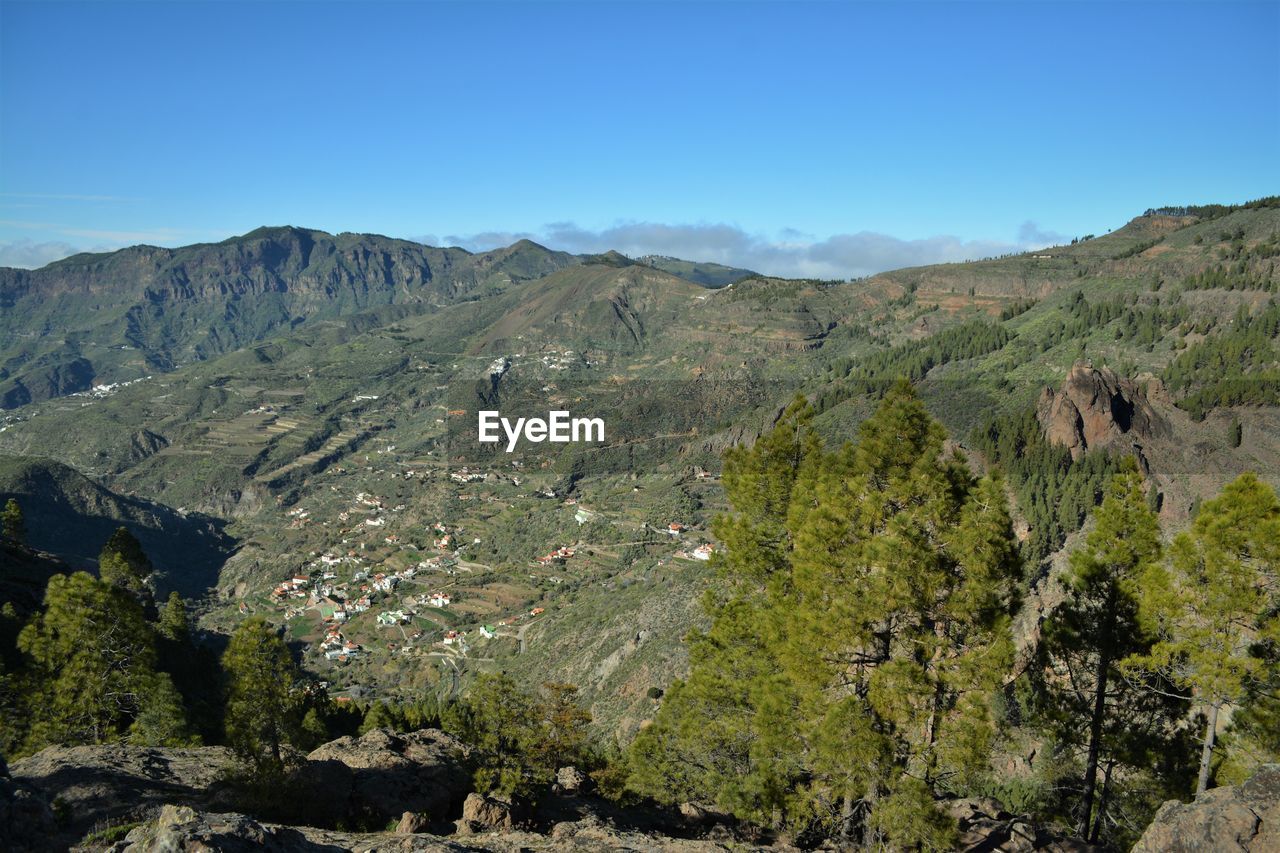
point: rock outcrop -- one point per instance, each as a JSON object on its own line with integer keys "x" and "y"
{"x": 179, "y": 828}
{"x": 184, "y": 828}
{"x": 1095, "y": 408}
{"x": 112, "y": 783}
{"x": 481, "y": 813}
{"x": 26, "y": 820}
{"x": 368, "y": 780}
{"x": 571, "y": 781}
{"x": 1244, "y": 817}
{"x": 385, "y": 774}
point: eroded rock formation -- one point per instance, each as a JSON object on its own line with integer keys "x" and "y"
{"x": 1237, "y": 818}
{"x": 1095, "y": 408}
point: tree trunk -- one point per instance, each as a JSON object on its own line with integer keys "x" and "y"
{"x": 1102, "y": 804}
{"x": 846, "y": 817}
{"x": 1206, "y": 754}
{"x": 870, "y": 838}
{"x": 1095, "y": 743}
{"x": 1105, "y": 643}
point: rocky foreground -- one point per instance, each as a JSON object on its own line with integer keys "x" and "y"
{"x": 385, "y": 791}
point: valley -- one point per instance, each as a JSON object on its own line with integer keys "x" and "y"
{"x": 287, "y": 422}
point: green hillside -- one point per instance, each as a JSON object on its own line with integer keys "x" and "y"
{"x": 296, "y": 434}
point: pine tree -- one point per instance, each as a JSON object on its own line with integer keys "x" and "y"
{"x": 905, "y": 570}
{"x": 162, "y": 717}
{"x": 1088, "y": 704}
{"x": 262, "y": 706}
{"x": 314, "y": 731}
{"x": 124, "y": 564}
{"x": 380, "y": 715}
{"x": 1215, "y": 603}
{"x": 564, "y": 737}
{"x": 857, "y": 642}
{"x": 12, "y": 524}
{"x": 173, "y": 620}
{"x": 93, "y": 660}
{"x": 503, "y": 728}
{"x": 702, "y": 744}
{"x": 1253, "y": 738}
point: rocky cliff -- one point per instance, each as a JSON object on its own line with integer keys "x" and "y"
{"x": 1244, "y": 817}
{"x": 1095, "y": 408}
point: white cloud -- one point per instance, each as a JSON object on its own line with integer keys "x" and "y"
{"x": 1035, "y": 238}
{"x": 789, "y": 253}
{"x": 29, "y": 254}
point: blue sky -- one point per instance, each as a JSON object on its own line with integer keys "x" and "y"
{"x": 825, "y": 138}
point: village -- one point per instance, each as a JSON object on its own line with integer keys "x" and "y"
{"x": 398, "y": 560}
{"x": 387, "y": 585}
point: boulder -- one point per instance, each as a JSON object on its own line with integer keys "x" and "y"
{"x": 1096, "y": 408}
{"x": 1243, "y": 817}
{"x": 387, "y": 774}
{"x": 183, "y": 828}
{"x": 481, "y": 813}
{"x": 571, "y": 781}
{"x": 412, "y": 824}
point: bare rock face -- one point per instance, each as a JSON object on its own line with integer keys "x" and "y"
{"x": 26, "y": 821}
{"x": 571, "y": 781}
{"x": 111, "y": 782}
{"x": 388, "y": 774}
{"x": 1239, "y": 818}
{"x": 1096, "y": 408}
{"x": 412, "y": 824}
{"x": 481, "y": 813}
{"x": 181, "y": 828}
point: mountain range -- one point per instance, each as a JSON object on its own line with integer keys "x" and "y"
{"x": 251, "y": 405}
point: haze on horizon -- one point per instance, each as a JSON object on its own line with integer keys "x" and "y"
{"x": 823, "y": 139}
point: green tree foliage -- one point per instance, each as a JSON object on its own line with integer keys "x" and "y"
{"x": 1238, "y": 276}
{"x": 93, "y": 662}
{"x": 124, "y": 564}
{"x": 858, "y": 639}
{"x": 12, "y": 525}
{"x": 564, "y": 739}
{"x": 1054, "y": 492}
{"x": 1210, "y": 212}
{"x": 399, "y": 716}
{"x": 162, "y": 716}
{"x": 12, "y": 717}
{"x": 1214, "y": 606}
{"x": 1114, "y": 726}
{"x": 519, "y": 739}
{"x": 878, "y": 371}
{"x": 701, "y": 746}
{"x": 1137, "y": 249}
{"x": 1142, "y": 324}
{"x": 263, "y": 712}
{"x": 172, "y": 624}
{"x": 1236, "y": 366}
{"x": 1253, "y": 738}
